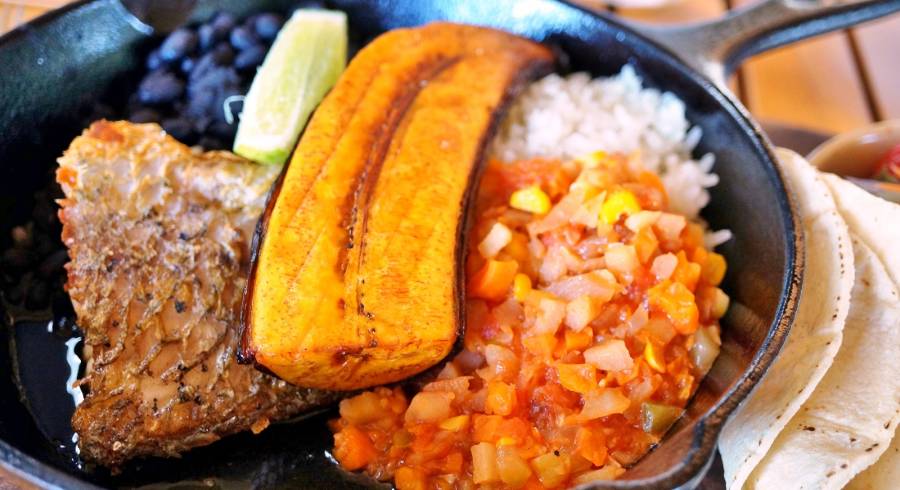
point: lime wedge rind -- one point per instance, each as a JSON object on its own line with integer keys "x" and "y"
{"x": 304, "y": 62}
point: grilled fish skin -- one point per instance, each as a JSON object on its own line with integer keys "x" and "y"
{"x": 158, "y": 238}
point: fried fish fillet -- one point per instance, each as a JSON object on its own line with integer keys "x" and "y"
{"x": 158, "y": 237}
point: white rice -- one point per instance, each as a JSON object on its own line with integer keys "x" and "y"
{"x": 568, "y": 117}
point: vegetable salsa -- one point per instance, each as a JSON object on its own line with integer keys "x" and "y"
{"x": 592, "y": 315}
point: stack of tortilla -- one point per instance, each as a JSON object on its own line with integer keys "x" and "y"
{"x": 826, "y": 412}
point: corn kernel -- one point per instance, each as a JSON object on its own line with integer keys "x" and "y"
{"x": 654, "y": 358}
{"x": 506, "y": 441}
{"x": 714, "y": 269}
{"x": 720, "y": 305}
{"x": 616, "y": 204}
{"x": 593, "y": 160}
{"x": 531, "y": 199}
{"x": 521, "y": 287}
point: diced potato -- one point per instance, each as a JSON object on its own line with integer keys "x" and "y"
{"x": 531, "y": 199}
{"x": 581, "y": 312}
{"x": 430, "y": 406}
{"x": 663, "y": 266}
{"x": 494, "y": 241}
{"x": 642, "y": 219}
{"x": 484, "y": 463}
{"x": 363, "y": 408}
{"x": 551, "y": 469}
{"x": 720, "y": 305}
{"x": 514, "y": 471}
{"x": 610, "y": 355}
{"x": 621, "y": 258}
{"x": 607, "y": 401}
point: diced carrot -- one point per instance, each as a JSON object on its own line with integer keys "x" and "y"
{"x": 486, "y": 428}
{"x": 686, "y": 272}
{"x": 714, "y": 269}
{"x": 353, "y": 449}
{"x": 591, "y": 445}
{"x": 406, "y": 478}
{"x": 692, "y": 236}
{"x": 677, "y": 302}
{"x": 579, "y": 340}
{"x": 541, "y": 346}
{"x": 452, "y": 463}
{"x": 501, "y": 399}
{"x": 493, "y": 280}
{"x": 645, "y": 244}
{"x": 650, "y": 179}
{"x": 580, "y": 378}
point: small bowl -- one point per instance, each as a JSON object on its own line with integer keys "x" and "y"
{"x": 855, "y": 153}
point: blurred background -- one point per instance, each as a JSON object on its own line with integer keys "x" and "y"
{"x": 828, "y": 85}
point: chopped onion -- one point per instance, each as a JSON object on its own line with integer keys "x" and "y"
{"x": 459, "y": 386}
{"x": 597, "y": 285}
{"x": 580, "y": 312}
{"x": 509, "y": 312}
{"x": 610, "y": 355}
{"x": 589, "y": 212}
{"x": 670, "y": 226}
{"x": 554, "y": 265}
{"x": 558, "y": 216}
{"x": 705, "y": 349}
{"x": 551, "y": 313}
{"x": 621, "y": 258}
{"x": 363, "y": 408}
{"x": 638, "y": 319}
{"x": 660, "y": 328}
{"x": 642, "y": 219}
{"x": 496, "y": 239}
{"x": 603, "y": 402}
{"x": 663, "y": 266}
{"x": 484, "y": 463}
{"x": 501, "y": 363}
{"x": 430, "y": 406}
{"x": 591, "y": 246}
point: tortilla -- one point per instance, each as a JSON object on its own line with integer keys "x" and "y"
{"x": 849, "y": 420}
{"x": 815, "y": 335}
{"x": 884, "y": 474}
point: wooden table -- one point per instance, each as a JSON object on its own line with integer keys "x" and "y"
{"x": 829, "y": 84}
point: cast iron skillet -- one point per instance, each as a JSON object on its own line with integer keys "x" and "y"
{"x": 68, "y": 59}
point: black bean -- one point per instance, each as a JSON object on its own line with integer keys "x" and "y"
{"x": 15, "y": 294}
{"x": 180, "y": 43}
{"x": 53, "y": 263}
{"x": 242, "y": 38}
{"x": 207, "y": 92}
{"x": 267, "y": 25}
{"x": 44, "y": 215}
{"x": 180, "y": 129}
{"x": 187, "y": 64}
{"x": 210, "y": 143}
{"x": 250, "y": 57}
{"x": 222, "y": 24}
{"x": 21, "y": 236}
{"x": 160, "y": 87}
{"x": 222, "y": 54}
{"x": 223, "y": 130}
{"x": 62, "y": 307}
{"x": 154, "y": 62}
{"x": 206, "y": 37}
{"x": 15, "y": 260}
{"x": 38, "y": 295}
{"x": 144, "y": 115}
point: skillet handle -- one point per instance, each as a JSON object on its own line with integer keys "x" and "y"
{"x": 717, "y": 47}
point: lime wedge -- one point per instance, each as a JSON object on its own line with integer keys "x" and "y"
{"x": 304, "y": 62}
